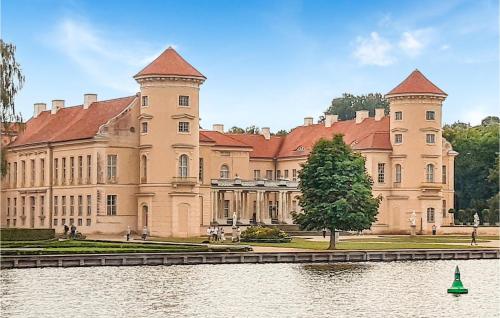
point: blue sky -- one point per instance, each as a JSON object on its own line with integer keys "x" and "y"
{"x": 269, "y": 62}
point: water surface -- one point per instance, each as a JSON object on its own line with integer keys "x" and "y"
{"x": 396, "y": 289}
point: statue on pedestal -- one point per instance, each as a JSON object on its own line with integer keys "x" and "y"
{"x": 476, "y": 220}
{"x": 413, "y": 223}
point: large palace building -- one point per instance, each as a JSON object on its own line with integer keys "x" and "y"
{"x": 143, "y": 160}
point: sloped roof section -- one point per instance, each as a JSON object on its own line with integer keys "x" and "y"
{"x": 220, "y": 139}
{"x": 416, "y": 83}
{"x": 71, "y": 123}
{"x": 170, "y": 63}
{"x": 262, "y": 147}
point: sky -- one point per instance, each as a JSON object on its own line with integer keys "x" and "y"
{"x": 268, "y": 63}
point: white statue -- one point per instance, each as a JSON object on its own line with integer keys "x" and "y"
{"x": 235, "y": 219}
{"x": 476, "y": 220}
{"x": 413, "y": 219}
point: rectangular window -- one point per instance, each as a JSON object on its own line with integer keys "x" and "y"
{"x": 80, "y": 222}
{"x": 430, "y": 215}
{"x": 184, "y": 101}
{"x": 56, "y": 171}
{"x": 42, "y": 205}
{"x": 398, "y": 138}
{"x": 63, "y": 169}
{"x": 23, "y": 205}
{"x": 381, "y": 173}
{"x": 269, "y": 174}
{"x": 23, "y": 173}
{"x": 55, "y": 222}
{"x": 71, "y": 221}
{"x": 89, "y": 168}
{"x": 71, "y": 169}
{"x": 80, "y": 168}
{"x": 89, "y": 204}
{"x": 32, "y": 207}
{"x": 444, "y": 178}
{"x": 89, "y": 222}
{"x": 286, "y": 174}
{"x": 430, "y": 115}
{"x": 226, "y": 208}
{"x": 14, "y": 208}
{"x": 398, "y": 115}
{"x": 444, "y": 208}
{"x": 256, "y": 174}
{"x": 8, "y": 173}
{"x": 63, "y": 204}
{"x": 71, "y": 205}
{"x": 183, "y": 126}
{"x": 278, "y": 174}
{"x": 144, "y": 127}
{"x": 430, "y": 138}
{"x": 111, "y": 204}
{"x": 294, "y": 174}
{"x": 32, "y": 172}
{"x": 42, "y": 172}
{"x": 56, "y": 205}
{"x": 145, "y": 101}
{"x": 200, "y": 172}
{"x": 8, "y": 206}
{"x": 80, "y": 205}
{"x": 112, "y": 160}
{"x": 63, "y": 221}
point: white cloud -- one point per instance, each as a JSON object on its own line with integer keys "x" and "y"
{"x": 110, "y": 62}
{"x": 444, "y": 47}
{"x": 374, "y": 50}
{"x": 414, "y": 42}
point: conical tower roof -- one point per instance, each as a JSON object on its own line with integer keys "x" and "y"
{"x": 170, "y": 63}
{"x": 416, "y": 83}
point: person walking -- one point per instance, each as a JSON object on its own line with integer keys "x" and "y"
{"x": 474, "y": 235}
{"x": 128, "y": 233}
{"x": 144, "y": 233}
{"x": 324, "y": 233}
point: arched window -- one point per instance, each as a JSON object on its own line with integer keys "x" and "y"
{"x": 144, "y": 172}
{"x": 224, "y": 172}
{"x": 429, "y": 173}
{"x": 398, "y": 173}
{"x": 430, "y": 215}
{"x": 145, "y": 215}
{"x": 183, "y": 166}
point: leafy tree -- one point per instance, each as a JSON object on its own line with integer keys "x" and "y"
{"x": 347, "y": 105}
{"x": 476, "y": 166}
{"x": 336, "y": 190}
{"x": 236, "y": 130}
{"x": 252, "y": 130}
{"x": 12, "y": 82}
{"x": 490, "y": 120}
{"x": 282, "y": 132}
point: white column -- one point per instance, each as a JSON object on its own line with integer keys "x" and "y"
{"x": 258, "y": 206}
{"x": 281, "y": 202}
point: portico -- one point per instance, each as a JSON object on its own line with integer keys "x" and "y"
{"x": 254, "y": 202}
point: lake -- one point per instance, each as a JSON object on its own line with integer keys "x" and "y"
{"x": 395, "y": 289}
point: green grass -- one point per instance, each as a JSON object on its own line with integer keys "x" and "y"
{"x": 420, "y": 239}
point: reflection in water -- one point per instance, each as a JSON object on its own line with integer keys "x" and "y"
{"x": 397, "y": 289}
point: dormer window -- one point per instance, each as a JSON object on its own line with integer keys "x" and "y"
{"x": 430, "y": 115}
{"x": 145, "y": 101}
{"x": 184, "y": 101}
{"x": 300, "y": 148}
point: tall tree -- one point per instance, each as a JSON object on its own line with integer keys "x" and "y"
{"x": 336, "y": 190}
{"x": 252, "y": 130}
{"x": 236, "y": 130}
{"x": 12, "y": 82}
{"x": 347, "y": 105}
{"x": 476, "y": 173}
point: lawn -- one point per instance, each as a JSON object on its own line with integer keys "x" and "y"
{"x": 98, "y": 247}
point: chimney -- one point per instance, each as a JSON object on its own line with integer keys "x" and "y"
{"x": 331, "y": 119}
{"x": 361, "y": 115}
{"x": 56, "y": 105}
{"x": 379, "y": 113}
{"x": 38, "y": 108}
{"x": 89, "y": 99}
{"x": 308, "y": 121}
{"x": 266, "y": 132}
{"x": 218, "y": 127}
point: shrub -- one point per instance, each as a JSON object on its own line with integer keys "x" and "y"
{"x": 484, "y": 216}
{"x": 259, "y": 233}
{"x": 26, "y": 234}
{"x": 494, "y": 216}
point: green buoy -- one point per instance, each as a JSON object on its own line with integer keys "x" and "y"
{"x": 457, "y": 287}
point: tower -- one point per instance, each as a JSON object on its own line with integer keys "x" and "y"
{"x": 417, "y": 158}
{"x": 168, "y": 202}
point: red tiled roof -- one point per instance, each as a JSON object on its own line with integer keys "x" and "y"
{"x": 221, "y": 139}
{"x": 369, "y": 134}
{"x": 170, "y": 63}
{"x": 71, "y": 123}
{"x": 262, "y": 148}
{"x": 416, "y": 83}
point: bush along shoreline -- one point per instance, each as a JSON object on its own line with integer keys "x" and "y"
{"x": 265, "y": 235}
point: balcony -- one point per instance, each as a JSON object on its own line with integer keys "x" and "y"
{"x": 431, "y": 186}
{"x": 254, "y": 183}
{"x": 184, "y": 181}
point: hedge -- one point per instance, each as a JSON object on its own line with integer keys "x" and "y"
{"x": 14, "y": 234}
